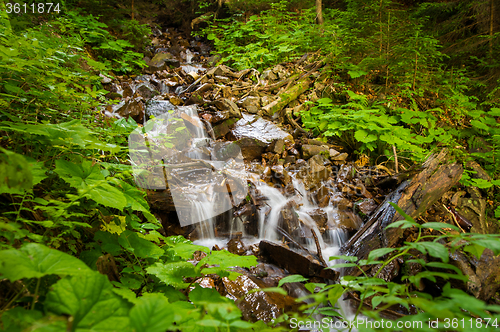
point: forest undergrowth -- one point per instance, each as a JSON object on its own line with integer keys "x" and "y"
{"x": 80, "y": 249}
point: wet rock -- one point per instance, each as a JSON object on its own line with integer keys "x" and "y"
{"x": 134, "y": 108}
{"x": 311, "y": 150}
{"x": 258, "y": 305}
{"x": 223, "y": 128}
{"x": 250, "y": 103}
{"x": 221, "y": 71}
{"x": 266, "y": 100}
{"x": 159, "y": 107}
{"x": 294, "y": 262}
{"x": 162, "y": 61}
{"x": 256, "y": 135}
{"x": 316, "y": 142}
{"x": 333, "y": 153}
{"x": 320, "y": 217}
{"x": 228, "y": 106}
{"x": 340, "y": 158}
{"x": 145, "y": 90}
{"x": 316, "y": 173}
{"x": 176, "y": 101}
{"x": 105, "y": 79}
{"x": 206, "y": 282}
{"x": 127, "y": 91}
{"x": 366, "y": 206}
{"x": 282, "y": 174}
{"x": 225, "y": 151}
{"x": 236, "y": 247}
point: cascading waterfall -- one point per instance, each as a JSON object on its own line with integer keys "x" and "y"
{"x": 203, "y": 198}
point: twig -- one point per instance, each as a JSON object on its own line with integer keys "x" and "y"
{"x": 318, "y": 248}
{"x": 395, "y": 159}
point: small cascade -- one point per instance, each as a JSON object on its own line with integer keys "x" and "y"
{"x": 269, "y": 216}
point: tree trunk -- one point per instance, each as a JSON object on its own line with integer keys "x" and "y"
{"x": 414, "y": 197}
{"x": 319, "y": 12}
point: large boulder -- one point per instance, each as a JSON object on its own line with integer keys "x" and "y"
{"x": 255, "y": 136}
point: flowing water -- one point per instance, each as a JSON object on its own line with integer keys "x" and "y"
{"x": 205, "y": 194}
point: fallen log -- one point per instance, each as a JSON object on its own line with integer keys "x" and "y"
{"x": 413, "y": 197}
{"x": 287, "y": 96}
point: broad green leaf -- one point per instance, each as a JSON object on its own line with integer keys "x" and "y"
{"x": 292, "y": 278}
{"x": 16, "y": 175}
{"x": 109, "y": 242}
{"x": 140, "y": 247}
{"x": 19, "y": 319}
{"x": 374, "y": 254}
{"x": 434, "y": 249}
{"x": 78, "y": 175}
{"x": 106, "y": 195}
{"x": 334, "y": 294}
{"x": 173, "y": 273}
{"x": 152, "y": 313}
{"x": 475, "y": 249}
{"x": 491, "y": 243}
{"x": 364, "y": 136}
{"x": 89, "y": 298}
{"x": 34, "y": 260}
{"x": 186, "y": 250}
{"x": 224, "y": 260}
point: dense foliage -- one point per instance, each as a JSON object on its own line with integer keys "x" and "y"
{"x": 70, "y": 208}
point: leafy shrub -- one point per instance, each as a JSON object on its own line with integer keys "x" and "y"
{"x": 452, "y": 309}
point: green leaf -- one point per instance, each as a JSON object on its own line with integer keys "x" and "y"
{"x": 89, "y": 298}
{"x": 152, "y": 313}
{"x": 186, "y": 250}
{"x": 19, "y": 319}
{"x": 224, "y": 260}
{"x": 475, "y": 249}
{"x": 173, "y": 273}
{"x": 364, "y": 136}
{"x": 491, "y": 243}
{"x": 140, "y": 247}
{"x": 292, "y": 278}
{"x": 335, "y": 293}
{"x": 434, "y": 249}
{"x": 34, "y": 260}
{"x": 106, "y": 195}
{"x": 439, "y": 225}
{"x": 79, "y": 175}
{"x": 374, "y": 254}
{"x": 480, "y": 125}
{"x": 16, "y": 175}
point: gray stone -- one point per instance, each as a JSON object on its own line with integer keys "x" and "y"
{"x": 311, "y": 150}
{"x": 145, "y": 90}
{"x": 162, "y": 61}
{"x": 250, "y": 103}
{"x": 227, "y": 105}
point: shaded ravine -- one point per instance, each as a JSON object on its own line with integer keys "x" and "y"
{"x": 230, "y": 177}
